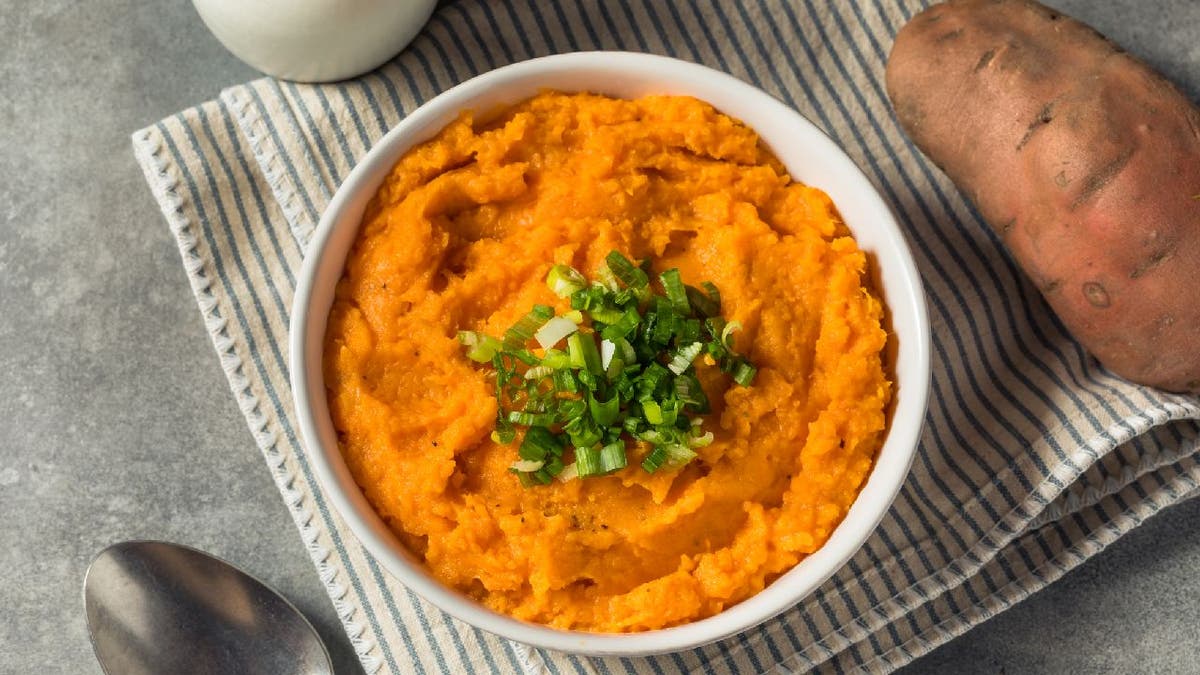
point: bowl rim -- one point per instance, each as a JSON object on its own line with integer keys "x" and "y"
{"x": 307, "y": 382}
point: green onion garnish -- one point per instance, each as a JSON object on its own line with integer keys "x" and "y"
{"x": 652, "y": 411}
{"x": 564, "y": 381}
{"x": 554, "y": 330}
{"x": 529, "y": 419}
{"x": 626, "y": 375}
{"x": 744, "y": 373}
{"x": 564, "y": 280}
{"x": 678, "y": 455}
{"x": 521, "y": 332}
{"x": 706, "y": 303}
{"x": 654, "y": 461}
{"x": 625, "y": 324}
{"x": 587, "y": 461}
{"x": 538, "y": 372}
{"x": 480, "y": 347}
{"x": 683, "y": 357}
{"x": 612, "y": 457}
{"x": 604, "y": 412}
{"x": 569, "y": 472}
{"x": 632, "y": 277}
{"x": 729, "y": 329}
{"x": 583, "y": 353}
{"x": 673, "y": 286}
{"x": 527, "y": 465}
{"x": 538, "y": 444}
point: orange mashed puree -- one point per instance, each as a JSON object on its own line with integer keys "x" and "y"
{"x": 461, "y": 235}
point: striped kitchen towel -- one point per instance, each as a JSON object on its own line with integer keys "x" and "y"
{"x": 1033, "y": 457}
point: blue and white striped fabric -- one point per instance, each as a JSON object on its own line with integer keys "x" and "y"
{"x": 1033, "y": 459}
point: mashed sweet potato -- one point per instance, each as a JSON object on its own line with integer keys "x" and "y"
{"x": 461, "y": 235}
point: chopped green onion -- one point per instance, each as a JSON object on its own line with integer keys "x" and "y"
{"x": 650, "y": 436}
{"x": 625, "y": 296}
{"x": 607, "y": 351}
{"x": 589, "y": 380}
{"x": 689, "y": 331}
{"x": 554, "y": 330}
{"x": 536, "y": 402}
{"x": 623, "y": 350}
{"x": 625, "y": 324}
{"x": 683, "y": 357}
{"x": 587, "y": 461}
{"x": 527, "y": 465}
{"x": 612, "y": 457}
{"x": 654, "y": 461}
{"x": 570, "y": 472}
{"x": 652, "y": 380}
{"x": 480, "y": 347}
{"x": 689, "y": 392}
{"x": 653, "y": 412}
{"x": 632, "y": 425}
{"x": 611, "y": 435}
{"x": 685, "y": 388}
{"x": 564, "y": 381}
{"x": 583, "y": 431}
{"x": 584, "y": 299}
{"x": 505, "y": 433}
{"x": 678, "y": 455}
{"x": 729, "y": 329}
{"x": 529, "y": 419}
{"x": 538, "y": 444}
{"x": 565, "y": 280}
{"x": 583, "y": 354}
{"x": 556, "y": 359}
{"x": 606, "y": 279}
{"x": 553, "y": 467}
{"x": 605, "y": 314}
{"x": 673, "y": 286}
{"x": 743, "y": 373}
{"x": 705, "y": 304}
{"x": 570, "y": 410}
{"x": 670, "y": 412}
{"x": 523, "y": 330}
{"x": 664, "y": 327}
{"x": 604, "y": 412}
{"x": 526, "y": 356}
{"x": 624, "y": 270}
{"x": 624, "y": 383}
{"x": 715, "y": 325}
{"x": 629, "y": 374}
{"x": 614, "y": 369}
{"x": 538, "y": 372}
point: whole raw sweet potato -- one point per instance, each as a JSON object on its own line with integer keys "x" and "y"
{"x": 1083, "y": 159}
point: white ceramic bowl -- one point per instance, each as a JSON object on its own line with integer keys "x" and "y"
{"x": 314, "y": 40}
{"x": 809, "y": 155}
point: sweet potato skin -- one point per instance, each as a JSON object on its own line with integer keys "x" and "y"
{"x": 1083, "y": 159}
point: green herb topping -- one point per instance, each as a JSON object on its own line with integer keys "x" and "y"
{"x": 619, "y": 367}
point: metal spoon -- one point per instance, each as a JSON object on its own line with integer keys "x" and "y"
{"x": 154, "y": 607}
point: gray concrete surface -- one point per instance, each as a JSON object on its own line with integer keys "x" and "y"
{"x": 119, "y": 424}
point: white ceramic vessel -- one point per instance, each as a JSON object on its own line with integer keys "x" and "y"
{"x": 314, "y": 40}
{"x": 809, "y": 155}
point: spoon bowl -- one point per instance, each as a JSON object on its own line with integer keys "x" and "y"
{"x": 155, "y": 607}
